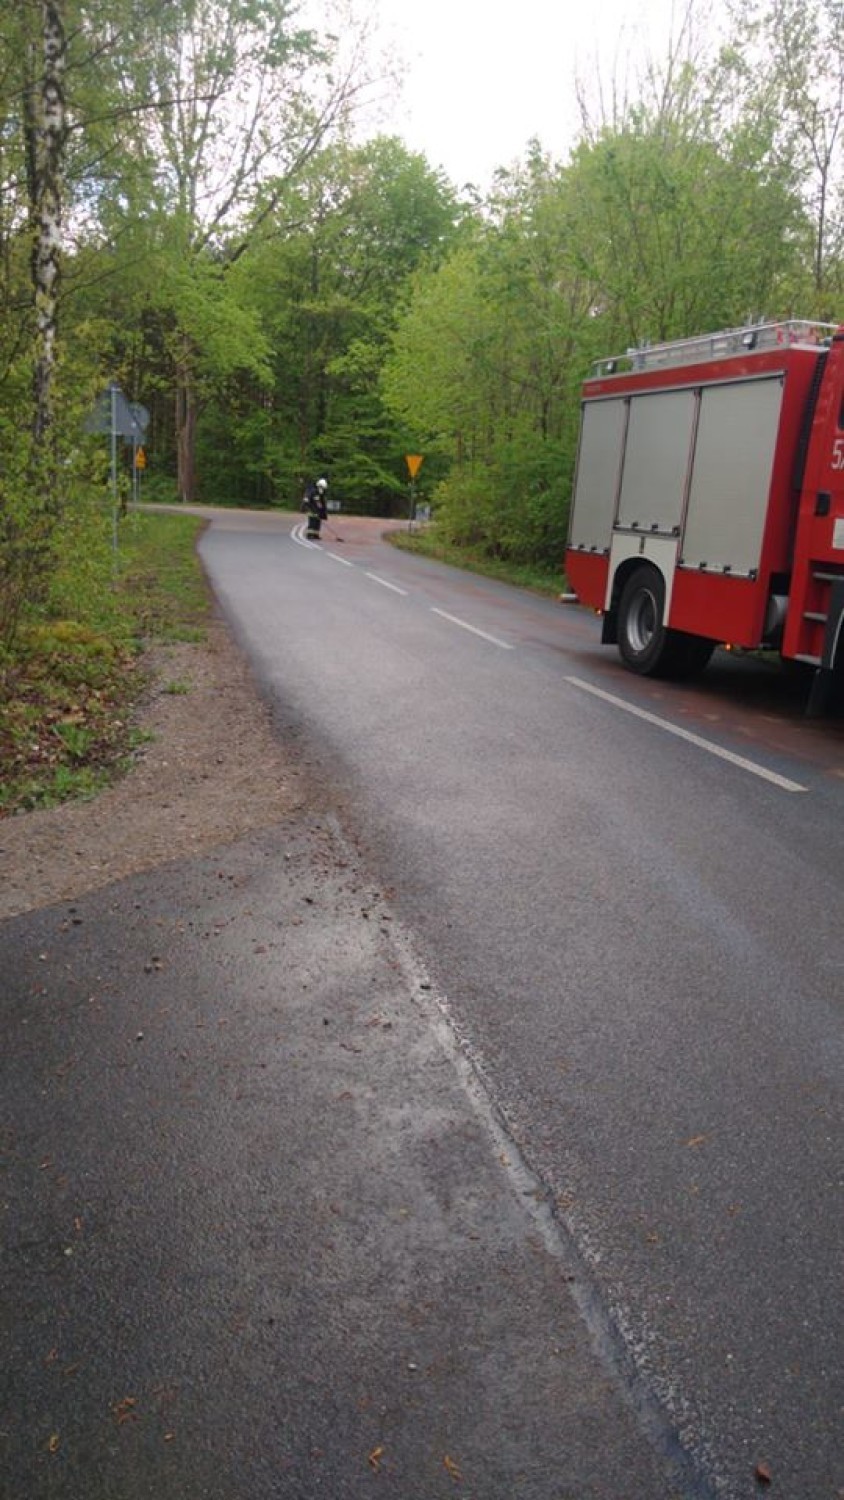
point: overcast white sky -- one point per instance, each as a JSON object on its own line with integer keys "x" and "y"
{"x": 483, "y": 77}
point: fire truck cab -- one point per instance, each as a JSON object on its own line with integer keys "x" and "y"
{"x": 708, "y": 500}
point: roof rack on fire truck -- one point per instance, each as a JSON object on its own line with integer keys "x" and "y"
{"x": 729, "y": 342}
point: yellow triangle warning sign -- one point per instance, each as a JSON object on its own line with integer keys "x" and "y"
{"x": 414, "y": 463}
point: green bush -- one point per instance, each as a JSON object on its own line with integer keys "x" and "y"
{"x": 514, "y": 508}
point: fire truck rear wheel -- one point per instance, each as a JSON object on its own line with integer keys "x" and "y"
{"x": 642, "y": 637}
{"x": 645, "y": 645}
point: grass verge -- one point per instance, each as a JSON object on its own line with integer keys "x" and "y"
{"x": 548, "y": 581}
{"x": 70, "y": 685}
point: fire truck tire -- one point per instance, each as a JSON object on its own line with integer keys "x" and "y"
{"x": 644, "y": 643}
{"x": 642, "y": 638}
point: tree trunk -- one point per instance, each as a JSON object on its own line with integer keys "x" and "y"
{"x": 47, "y": 133}
{"x": 186, "y": 414}
{"x": 29, "y": 523}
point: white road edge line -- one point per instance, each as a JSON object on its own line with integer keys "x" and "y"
{"x": 386, "y": 585}
{"x": 474, "y": 629}
{"x": 693, "y": 739}
{"x": 338, "y": 558}
{"x": 297, "y": 535}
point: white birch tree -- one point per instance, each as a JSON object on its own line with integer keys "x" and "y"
{"x": 32, "y": 67}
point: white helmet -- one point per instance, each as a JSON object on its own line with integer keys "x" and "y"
{"x": 322, "y": 484}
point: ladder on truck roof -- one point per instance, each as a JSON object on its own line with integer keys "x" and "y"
{"x": 729, "y": 342}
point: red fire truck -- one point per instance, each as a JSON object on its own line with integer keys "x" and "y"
{"x": 709, "y": 500}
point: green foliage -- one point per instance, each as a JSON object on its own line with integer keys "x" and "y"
{"x": 676, "y": 232}
{"x": 69, "y": 684}
{"x": 515, "y": 506}
{"x": 63, "y": 713}
{"x": 485, "y": 366}
{"x": 44, "y": 527}
{"x": 431, "y": 378}
{"x": 430, "y": 542}
{"x": 82, "y": 576}
{"x": 161, "y": 589}
{"x": 210, "y": 323}
{"x": 327, "y": 293}
{"x": 679, "y": 218}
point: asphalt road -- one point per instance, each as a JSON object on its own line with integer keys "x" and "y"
{"x": 476, "y": 1133}
{"x": 639, "y": 935}
{"x": 261, "y": 1238}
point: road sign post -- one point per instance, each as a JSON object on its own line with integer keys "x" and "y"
{"x": 414, "y": 463}
{"x": 138, "y": 465}
{"x": 118, "y": 418}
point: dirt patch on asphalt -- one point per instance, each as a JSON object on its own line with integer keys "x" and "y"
{"x": 212, "y": 771}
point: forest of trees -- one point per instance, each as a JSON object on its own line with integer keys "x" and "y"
{"x": 189, "y": 208}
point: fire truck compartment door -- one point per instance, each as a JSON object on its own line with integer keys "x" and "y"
{"x": 731, "y": 474}
{"x": 656, "y": 461}
{"x": 598, "y": 465}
